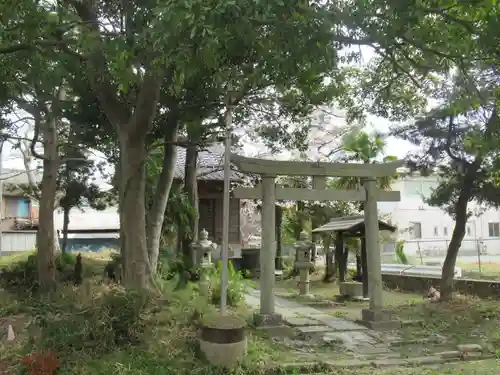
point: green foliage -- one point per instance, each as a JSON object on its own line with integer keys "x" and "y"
{"x": 98, "y": 325}
{"x": 179, "y": 210}
{"x": 400, "y": 253}
{"x": 169, "y": 267}
{"x": 459, "y": 141}
{"x": 65, "y": 259}
{"x": 361, "y": 147}
{"x": 236, "y": 286}
{"x": 350, "y": 274}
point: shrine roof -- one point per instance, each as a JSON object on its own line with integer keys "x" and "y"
{"x": 351, "y": 224}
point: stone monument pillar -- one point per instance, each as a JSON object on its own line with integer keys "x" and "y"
{"x": 376, "y": 317}
{"x": 267, "y": 315}
{"x": 304, "y": 263}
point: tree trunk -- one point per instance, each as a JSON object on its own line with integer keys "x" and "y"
{"x": 160, "y": 198}
{"x": 446, "y": 287}
{"x": 45, "y": 236}
{"x": 66, "y": 211}
{"x": 190, "y": 234}
{"x": 135, "y": 268}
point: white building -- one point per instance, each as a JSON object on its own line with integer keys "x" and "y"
{"x": 427, "y": 230}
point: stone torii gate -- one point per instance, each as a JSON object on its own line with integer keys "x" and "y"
{"x": 375, "y": 316}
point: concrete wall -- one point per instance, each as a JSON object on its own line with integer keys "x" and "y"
{"x": 415, "y": 284}
{"x": 18, "y": 241}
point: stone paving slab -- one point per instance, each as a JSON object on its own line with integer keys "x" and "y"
{"x": 314, "y": 329}
{"x": 300, "y": 322}
{"x": 338, "y": 323}
{"x": 371, "y": 350}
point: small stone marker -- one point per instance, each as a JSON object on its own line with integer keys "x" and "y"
{"x": 223, "y": 340}
{"x": 10, "y": 333}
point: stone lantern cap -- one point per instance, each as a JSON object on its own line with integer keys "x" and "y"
{"x": 303, "y": 248}
{"x": 204, "y": 243}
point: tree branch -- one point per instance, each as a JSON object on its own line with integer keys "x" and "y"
{"x": 100, "y": 77}
{"x": 147, "y": 100}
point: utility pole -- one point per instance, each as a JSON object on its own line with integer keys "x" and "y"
{"x": 226, "y": 205}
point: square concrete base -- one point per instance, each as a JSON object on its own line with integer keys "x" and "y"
{"x": 263, "y": 320}
{"x": 379, "y": 320}
{"x": 351, "y": 289}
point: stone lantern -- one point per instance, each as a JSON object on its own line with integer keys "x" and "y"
{"x": 304, "y": 263}
{"x": 202, "y": 258}
{"x": 202, "y": 250}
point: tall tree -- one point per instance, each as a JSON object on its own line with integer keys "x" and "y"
{"x": 459, "y": 141}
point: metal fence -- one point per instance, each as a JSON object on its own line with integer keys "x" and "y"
{"x": 438, "y": 248}
{"x": 475, "y": 255}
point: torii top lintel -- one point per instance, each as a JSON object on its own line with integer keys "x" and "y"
{"x": 305, "y": 168}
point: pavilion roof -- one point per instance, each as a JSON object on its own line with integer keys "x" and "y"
{"x": 352, "y": 224}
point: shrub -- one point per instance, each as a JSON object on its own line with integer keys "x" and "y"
{"x": 236, "y": 285}
{"x": 350, "y": 274}
{"x": 64, "y": 260}
{"x": 99, "y": 324}
{"x": 21, "y": 276}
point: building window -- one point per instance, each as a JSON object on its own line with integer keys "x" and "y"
{"x": 436, "y": 231}
{"x": 16, "y": 207}
{"x": 469, "y": 231}
{"x": 415, "y": 230}
{"x": 494, "y": 229}
{"x": 445, "y": 231}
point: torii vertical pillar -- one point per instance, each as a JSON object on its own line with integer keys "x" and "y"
{"x": 267, "y": 314}
{"x": 376, "y": 317}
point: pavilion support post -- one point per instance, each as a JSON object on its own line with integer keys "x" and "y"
{"x": 267, "y": 315}
{"x": 364, "y": 268}
{"x": 375, "y": 317}
{"x": 341, "y": 253}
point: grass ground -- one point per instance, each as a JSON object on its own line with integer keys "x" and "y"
{"x": 7, "y": 260}
{"x": 488, "y": 271}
